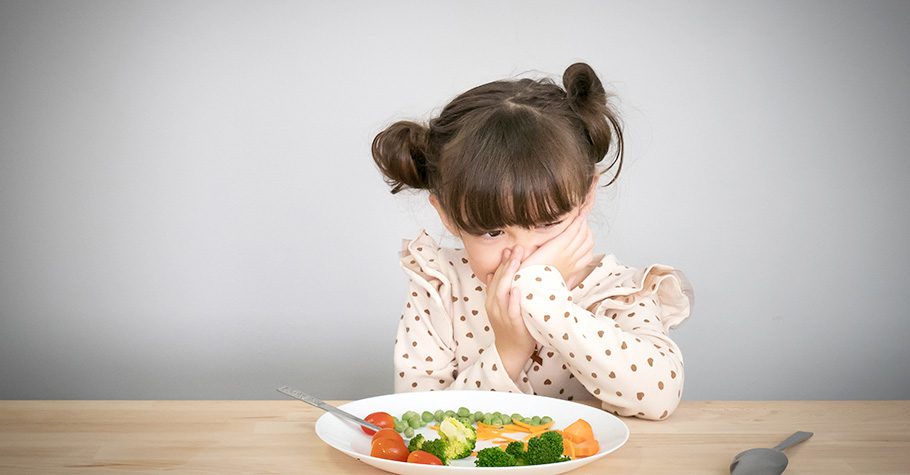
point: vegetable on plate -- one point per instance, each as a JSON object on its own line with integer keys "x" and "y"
{"x": 381, "y": 419}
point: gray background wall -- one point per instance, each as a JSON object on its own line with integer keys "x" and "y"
{"x": 188, "y": 208}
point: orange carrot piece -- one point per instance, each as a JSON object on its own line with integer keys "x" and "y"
{"x": 587, "y": 448}
{"x": 521, "y": 423}
{"x": 578, "y": 431}
{"x": 533, "y": 428}
{"x": 568, "y": 448}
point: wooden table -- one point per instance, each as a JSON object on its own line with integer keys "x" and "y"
{"x": 869, "y": 437}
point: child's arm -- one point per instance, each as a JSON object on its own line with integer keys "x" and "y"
{"x": 425, "y": 351}
{"x": 503, "y": 306}
{"x": 428, "y": 354}
{"x": 619, "y": 349}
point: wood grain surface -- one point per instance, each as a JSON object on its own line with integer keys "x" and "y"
{"x": 851, "y": 437}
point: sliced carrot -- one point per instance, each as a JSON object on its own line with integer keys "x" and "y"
{"x": 587, "y": 448}
{"x": 568, "y": 448}
{"x": 578, "y": 431}
{"x": 533, "y": 428}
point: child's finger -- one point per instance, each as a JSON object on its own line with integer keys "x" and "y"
{"x": 491, "y": 277}
{"x": 585, "y": 245}
{"x": 518, "y": 253}
{"x": 503, "y": 278}
{"x": 515, "y": 306}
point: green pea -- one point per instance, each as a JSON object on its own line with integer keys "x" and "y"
{"x": 427, "y": 416}
{"x": 409, "y": 432}
{"x": 517, "y": 416}
{"x": 463, "y": 411}
{"x": 535, "y": 421}
{"x": 450, "y": 413}
{"x": 546, "y": 420}
{"x": 400, "y": 426}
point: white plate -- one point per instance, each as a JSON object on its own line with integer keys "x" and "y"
{"x": 347, "y": 437}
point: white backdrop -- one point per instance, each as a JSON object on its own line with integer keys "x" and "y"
{"x": 189, "y": 210}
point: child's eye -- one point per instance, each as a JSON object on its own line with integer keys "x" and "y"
{"x": 550, "y": 225}
{"x": 492, "y": 234}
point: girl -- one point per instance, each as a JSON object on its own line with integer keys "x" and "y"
{"x": 512, "y": 168}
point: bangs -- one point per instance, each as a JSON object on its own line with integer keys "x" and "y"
{"x": 516, "y": 169}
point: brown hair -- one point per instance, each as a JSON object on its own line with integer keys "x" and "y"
{"x": 514, "y": 152}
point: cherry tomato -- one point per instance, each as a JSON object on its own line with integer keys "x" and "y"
{"x": 390, "y": 449}
{"x": 426, "y": 458}
{"x": 382, "y": 419}
{"x": 387, "y": 433}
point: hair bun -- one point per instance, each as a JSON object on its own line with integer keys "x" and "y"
{"x": 583, "y": 87}
{"x": 400, "y": 153}
{"x": 587, "y": 98}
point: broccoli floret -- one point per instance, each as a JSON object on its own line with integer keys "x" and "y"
{"x": 494, "y": 457}
{"x": 456, "y": 440}
{"x": 546, "y": 448}
{"x": 459, "y": 438}
{"x": 416, "y": 443}
{"x": 437, "y": 447}
{"x": 517, "y": 450}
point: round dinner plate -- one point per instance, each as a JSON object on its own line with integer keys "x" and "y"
{"x": 347, "y": 436}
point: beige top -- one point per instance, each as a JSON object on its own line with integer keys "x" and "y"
{"x": 606, "y": 339}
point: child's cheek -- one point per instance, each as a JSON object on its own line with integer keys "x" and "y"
{"x": 484, "y": 268}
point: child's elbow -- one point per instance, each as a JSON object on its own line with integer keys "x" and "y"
{"x": 656, "y": 403}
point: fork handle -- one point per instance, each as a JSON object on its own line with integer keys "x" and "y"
{"x": 316, "y": 402}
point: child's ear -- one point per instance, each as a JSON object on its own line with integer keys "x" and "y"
{"x": 442, "y": 214}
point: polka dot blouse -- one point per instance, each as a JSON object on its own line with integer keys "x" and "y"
{"x": 607, "y": 339}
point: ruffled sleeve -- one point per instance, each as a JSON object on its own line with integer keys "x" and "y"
{"x": 667, "y": 287}
{"x": 613, "y": 331}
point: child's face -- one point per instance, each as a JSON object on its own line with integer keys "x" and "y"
{"x": 485, "y": 251}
